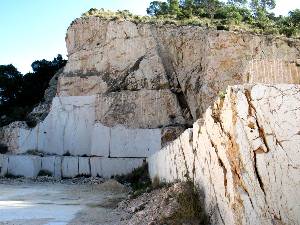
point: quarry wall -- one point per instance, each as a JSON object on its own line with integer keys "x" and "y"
{"x": 243, "y": 158}
{"x": 129, "y": 89}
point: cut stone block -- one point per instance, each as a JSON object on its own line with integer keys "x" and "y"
{"x": 28, "y": 139}
{"x": 21, "y": 165}
{"x": 68, "y": 126}
{"x": 52, "y": 164}
{"x": 134, "y": 142}
{"x": 119, "y": 166}
{"x": 100, "y": 140}
{"x": 70, "y": 166}
{"x": 3, "y": 165}
{"x": 96, "y": 166}
{"x": 84, "y": 166}
{"x": 58, "y": 167}
{"x": 48, "y": 164}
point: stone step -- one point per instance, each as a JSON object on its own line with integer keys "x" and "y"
{"x": 66, "y": 166}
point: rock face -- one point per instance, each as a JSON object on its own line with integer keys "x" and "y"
{"x": 195, "y": 64}
{"x": 128, "y": 89}
{"x": 245, "y": 157}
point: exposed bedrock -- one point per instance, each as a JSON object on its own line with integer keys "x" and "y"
{"x": 128, "y": 89}
{"x": 244, "y": 157}
{"x": 195, "y": 64}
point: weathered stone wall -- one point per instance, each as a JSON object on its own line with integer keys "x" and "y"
{"x": 244, "y": 157}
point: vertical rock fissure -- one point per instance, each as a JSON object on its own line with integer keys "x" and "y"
{"x": 261, "y": 184}
{"x": 221, "y": 164}
{"x": 109, "y": 143}
{"x": 185, "y": 162}
{"x": 173, "y": 81}
{"x": 261, "y": 135}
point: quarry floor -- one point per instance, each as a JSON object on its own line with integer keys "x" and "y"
{"x": 59, "y": 204}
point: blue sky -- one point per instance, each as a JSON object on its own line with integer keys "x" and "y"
{"x": 35, "y": 29}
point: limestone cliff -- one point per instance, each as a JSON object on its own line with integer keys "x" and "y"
{"x": 128, "y": 89}
{"x": 190, "y": 64}
{"x": 244, "y": 158}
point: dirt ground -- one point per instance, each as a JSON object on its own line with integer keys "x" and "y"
{"x": 93, "y": 201}
{"x": 53, "y": 203}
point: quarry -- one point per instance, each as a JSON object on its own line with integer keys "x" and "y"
{"x": 220, "y": 109}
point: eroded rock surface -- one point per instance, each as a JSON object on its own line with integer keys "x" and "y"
{"x": 245, "y": 157}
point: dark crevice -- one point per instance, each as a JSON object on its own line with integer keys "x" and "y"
{"x": 187, "y": 176}
{"x": 173, "y": 81}
{"x": 261, "y": 184}
{"x": 120, "y": 85}
{"x": 220, "y": 164}
{"x": 135, "y": 66}
{"x": 261, "y": 135}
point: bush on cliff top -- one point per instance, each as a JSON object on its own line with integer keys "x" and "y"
{"x": 252, "y": 16}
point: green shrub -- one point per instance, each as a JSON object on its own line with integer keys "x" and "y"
{"x": 138, "y": 179}
{"x": 191, "y": 207}
{"x": 223, "y": 17}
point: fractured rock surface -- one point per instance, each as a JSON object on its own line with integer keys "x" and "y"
{"x": 245, "y": 157}
{"x": 194, "y": 63}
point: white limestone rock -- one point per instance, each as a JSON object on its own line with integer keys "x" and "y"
{"x": 134, "y": 142}
{"x": 119, "y": 166}
{"x": 100, "y": 143}
{"x": 128, "y": 56}
{"x": 96, "y": 166}
{"x": 84, "y": 168}
{"x": 3, "y": 165}
{"x": 245, "y": 157}
{"x": 108, "y": 167}
{"x": 70, "y": 166}
{"x": 68, "y": 126}
{"x": 52, "y": 164}
{"x": 71, "y": 127}
{"x": 24, "y": 165}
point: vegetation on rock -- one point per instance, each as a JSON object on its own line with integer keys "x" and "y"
{"x": 138, "y": 179}
{"x": 243, "y": 15}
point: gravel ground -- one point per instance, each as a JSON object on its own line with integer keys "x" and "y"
{"x": 87, "y": 201}
{"x": 158, "y": 207}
